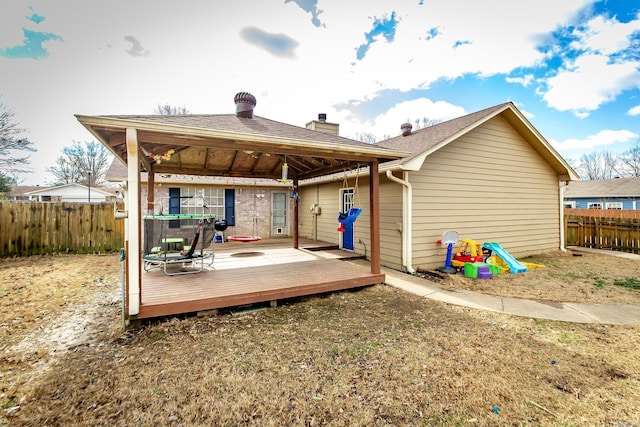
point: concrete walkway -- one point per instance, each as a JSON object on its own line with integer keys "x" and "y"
{"x": 613, "y": 314}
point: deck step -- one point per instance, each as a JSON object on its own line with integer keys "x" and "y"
{"x": 322, "y": 248}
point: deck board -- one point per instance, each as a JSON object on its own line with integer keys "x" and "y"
{"x": 170, "y": 295}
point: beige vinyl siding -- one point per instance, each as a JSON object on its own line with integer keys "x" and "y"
{"x": 325, "y": 227}
{"x": 390, "y": 223}
{"x": 328, "y": 220}
{"x": 489, "y": 185}
{"x": 328, "y": 197}
{"x": 306, "y": 222}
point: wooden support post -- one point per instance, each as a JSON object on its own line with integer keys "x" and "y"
{"x": 151, "y": 192}
{"x": 374, "y": 208}
{"x": 296, "y": 217}
{"x": 134, "y": 271}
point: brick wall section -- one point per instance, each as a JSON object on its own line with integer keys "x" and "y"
{"x": 245, "y": 208}
{"x": 252, "y": 203}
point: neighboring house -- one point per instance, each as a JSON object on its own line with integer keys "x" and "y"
{"x": 489, "y": 176}
{"x": 617, "y": 193}
{"x": 251, "y": 206}
{"x": 72, "y": 193}
{"x": 19, "y": 192}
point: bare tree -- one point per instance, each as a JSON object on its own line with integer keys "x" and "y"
{"x": 171, "y": 110}
{"x": 598, "y": 165}
{"x": 367, "y": 137}
{"x": 11, "y": 144}
{"x": 424, "y": 122}
{"x": 429, "y": 122}
{"x": 630, "y": 160}
{"x": 85, "y": 164}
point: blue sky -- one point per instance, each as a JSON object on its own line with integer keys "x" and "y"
{"x": 571, "y": 66}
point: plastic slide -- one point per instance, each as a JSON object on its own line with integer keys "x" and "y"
{"x": 514, "y": 265}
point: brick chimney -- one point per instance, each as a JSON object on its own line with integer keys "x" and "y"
{"x": 321, "y": 125}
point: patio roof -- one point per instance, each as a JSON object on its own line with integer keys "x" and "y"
{"x": 240, "y": 145}
{"x": 232, "y": 146}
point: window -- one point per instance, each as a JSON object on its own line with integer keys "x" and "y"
{"x": 191, "y": 202}
{"x": 570, "y": 205}
{"x": 614, "y": 205}
{"x": 279, "y": 210}
{"x": 192, "y": 199}
{"x": 347, "y": 199}
{"x": 594, "y": 206}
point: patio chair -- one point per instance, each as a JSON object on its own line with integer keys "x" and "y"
{"x": 187, "y": 257}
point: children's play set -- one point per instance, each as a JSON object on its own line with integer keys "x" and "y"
{"x": 479, "y": 261}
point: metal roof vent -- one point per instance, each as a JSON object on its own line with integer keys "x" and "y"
{"x": 406, "y": 129}
{"x": 322, "y": 117}
{"x": 245, "y": 102}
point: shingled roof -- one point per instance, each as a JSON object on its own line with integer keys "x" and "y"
{"x": 232, "y": 146}
{"x": 422, "y": 142}
{"x": 597, "y": 188}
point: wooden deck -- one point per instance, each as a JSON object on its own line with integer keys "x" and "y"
{"x": 232, "y": 282}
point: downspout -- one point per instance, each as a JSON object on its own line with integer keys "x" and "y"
{"x": 561, "y": 194}
{"x": 407, "y": 222}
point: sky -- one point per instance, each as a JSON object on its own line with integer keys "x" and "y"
{"x": 572, "y": 66}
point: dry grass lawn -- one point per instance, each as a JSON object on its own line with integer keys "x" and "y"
{"x": 376, "y": 356}
{"x": 567, "y": 277}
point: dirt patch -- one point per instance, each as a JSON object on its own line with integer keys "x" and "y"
{"x": 376, "y": 356}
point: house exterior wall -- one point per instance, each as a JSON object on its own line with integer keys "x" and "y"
{"x": 71, "y": 194}
{"x": 324, "y": 226}
{"x": 489, "y": 185}
{"x": 390, "y": 223}
{"x": 627, "y": 203}
{"x": 250, "y": 203}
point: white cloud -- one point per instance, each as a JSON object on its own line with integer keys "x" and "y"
{"x": 584, "y": 87}
{"x": 524, "y": 81}
{"x": 606, "y": 36}
{"x": 198, "y": 59}
{"x": 420, "y": 62}
{"x": 604, "y": 138}
{"x": 635, "y": 111}
{"x": 389, "y": 123}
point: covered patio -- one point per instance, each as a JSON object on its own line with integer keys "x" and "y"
{"x": 254, "y": 273}
{"x": 233, "y": 145}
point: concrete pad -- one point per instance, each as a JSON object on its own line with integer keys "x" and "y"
{"x": 544, "y": 310}
{"x": 424, "y": 288}
{"x": 420, "y": 289}
{"x": 613, "y": 314}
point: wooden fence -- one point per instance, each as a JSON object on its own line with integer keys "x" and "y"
{"x": 37, "y": 228}
{"x": 617, "y": 230}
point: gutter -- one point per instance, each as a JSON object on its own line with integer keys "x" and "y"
{"x": 407, "y": 215}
